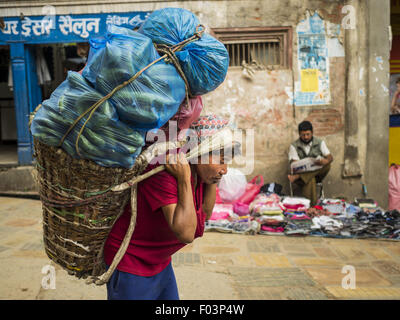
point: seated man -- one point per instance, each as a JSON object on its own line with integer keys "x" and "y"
{"x": 308, "y": 146}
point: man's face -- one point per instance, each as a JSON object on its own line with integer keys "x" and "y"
{"x": 212, "y": 172}
{"x": 306, "y": 136}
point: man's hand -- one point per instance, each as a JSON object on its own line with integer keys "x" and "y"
{"x": 321, "y": 162}
{"x": 324, "y": 161}
{"x": 178, "y": 166}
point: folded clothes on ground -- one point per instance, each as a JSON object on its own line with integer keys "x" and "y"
{"x": 222, "y": 225}
{"x": 293, "y": 201}
{"x": 295, "y": 208}
{"x": 269, "y": 230}
{"x": 315, "y": 212}
{"x": 298, "y": 216}
{"x": 352, "y": 222}
{"x": 268, "y": 218}
{"x": 298, "y": 227}
{"x": 240, "y": 225}
{"x": 326, "y": 224}
{"x": 366, "y": 203}
{"x": 265, "y": 205}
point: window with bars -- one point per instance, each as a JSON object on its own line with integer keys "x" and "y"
{"x": 265, "y": 46}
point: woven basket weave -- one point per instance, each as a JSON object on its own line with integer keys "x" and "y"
{"x": 81, "y": 201}
{"x": 79, "y": 209}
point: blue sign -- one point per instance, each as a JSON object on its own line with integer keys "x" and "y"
{"x": 65, "y": 28}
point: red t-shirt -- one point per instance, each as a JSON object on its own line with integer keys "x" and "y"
{"x": 152, "y": 242}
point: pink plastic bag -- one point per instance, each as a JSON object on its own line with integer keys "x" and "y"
{"x": 222, "y": 211}
{"x": 394, "y": 187}
{"x": 232, "y": 185}
{"x": 241, "y": 209}
{"x": 188, "y": 114}
{"x": 252, "y": 190}
{"x": 185, "y": 116}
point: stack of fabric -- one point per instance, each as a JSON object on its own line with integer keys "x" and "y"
{"x": 366, "y": 203}
{"x": 272, "y": 215}
{"x": 267, "y": 210}
{"x": 326, "y": 225}
{"x": 334, "y": 206}
{"x": 393, "y": 219}
{"x": 298, "y": 222}
{"x": 220, "y": 219}
{"x": 245, "y": 225}
{"x": 348, "y": 220}
{"x": 318, "y": 211}
{"x": 223, "y": 219}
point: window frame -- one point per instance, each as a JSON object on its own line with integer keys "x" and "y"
{"x": 253, "y": 34}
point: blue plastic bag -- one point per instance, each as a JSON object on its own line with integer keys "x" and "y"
{"x": 150, "y": 100}
{"x": 114, "y": 135}
{"x": 205, "y": 61}
{"x": 105, "y": 139}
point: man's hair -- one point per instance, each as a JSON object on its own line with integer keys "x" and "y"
{"x": 398, "y": 80}
{"x": 305, "y": 126}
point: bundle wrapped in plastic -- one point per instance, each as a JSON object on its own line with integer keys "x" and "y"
{"x": 114, "y": 135}
{"x": 105, "y": 139}
{"x": 149, "y": 101}
{"x": 205, "y": 61}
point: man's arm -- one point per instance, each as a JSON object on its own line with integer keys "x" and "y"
{"x": 325, "y": 160}
{"x": 181, "y": 217}
{"x": 293, "y": 155}
{"x": 209, "y": 196}
{"x": 327, "y": 157}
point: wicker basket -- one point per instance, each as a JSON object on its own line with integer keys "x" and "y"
{"x": 81, "y": 201}
{"x": 79, "y": 209}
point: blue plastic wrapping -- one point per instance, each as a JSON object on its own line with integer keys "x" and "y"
{"x": 205, "y": 61}
{"x": 105, "y": 139}
{"x": 114, "y": 136}
{"x": 149, "y": 101}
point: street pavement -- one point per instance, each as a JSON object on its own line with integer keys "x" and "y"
{"x": 216, "y": 266}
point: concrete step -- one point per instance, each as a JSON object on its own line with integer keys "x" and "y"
{"x": 18, "y": 181}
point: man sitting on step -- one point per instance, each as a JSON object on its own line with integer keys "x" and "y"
{"x": 308, "y": 146}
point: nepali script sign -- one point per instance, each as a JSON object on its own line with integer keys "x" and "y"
{"x": 65, "y": 28}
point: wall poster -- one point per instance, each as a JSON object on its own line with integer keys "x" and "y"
{"x": 313, "y": 62}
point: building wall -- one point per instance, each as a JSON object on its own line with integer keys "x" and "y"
{"x": 266, "y": 103}
{"x": 353, "y": 123}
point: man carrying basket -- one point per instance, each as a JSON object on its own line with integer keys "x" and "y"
{"x": 172, "y": 207}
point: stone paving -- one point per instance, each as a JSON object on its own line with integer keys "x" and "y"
{"x": 217, "y": 266}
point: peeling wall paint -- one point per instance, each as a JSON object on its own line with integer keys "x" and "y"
{"x": 266, "y": 102}
{"x": 335, "y": 48}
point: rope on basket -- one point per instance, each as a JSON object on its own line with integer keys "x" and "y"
{"x": 103, "y": 279}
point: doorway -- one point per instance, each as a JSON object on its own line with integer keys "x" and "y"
{"x": 8, "y": 125}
